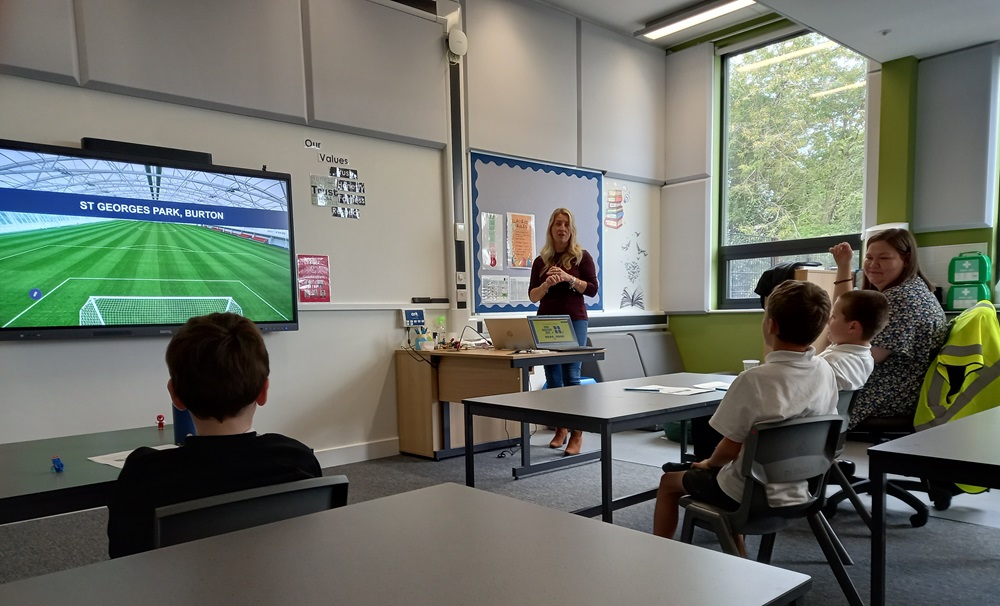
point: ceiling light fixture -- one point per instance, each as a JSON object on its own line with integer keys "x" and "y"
{"x": 696, "y": 16}
{"x": 785, "y": 57}
{"x": 837, "y": 90}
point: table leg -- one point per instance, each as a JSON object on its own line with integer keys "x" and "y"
{"x": 525, "y": 446}
{"x": 607, "y": 496}
{"x": 470, "y": 450}
{"x": 878, "y": 484}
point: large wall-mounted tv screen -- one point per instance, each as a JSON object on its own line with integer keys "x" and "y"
{"x": 98, "y": 244}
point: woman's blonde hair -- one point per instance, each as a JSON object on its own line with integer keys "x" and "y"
{"x": 572, "y": 254}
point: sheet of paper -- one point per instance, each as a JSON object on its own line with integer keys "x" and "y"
{"x": 117, "y": 459}
{"x": 676, "y": 391}
{"x": 518, "y": 288}
{"x": 720, "y": 385}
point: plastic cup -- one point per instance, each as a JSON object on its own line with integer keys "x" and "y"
{"x": 748, "y": 364}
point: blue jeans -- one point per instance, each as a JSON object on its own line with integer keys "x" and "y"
{"x": 559, "y": 375}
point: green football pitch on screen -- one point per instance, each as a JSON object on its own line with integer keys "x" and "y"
{"x": 138, "y": 272}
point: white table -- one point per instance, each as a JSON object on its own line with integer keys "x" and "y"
{"x": 447, "y": 545}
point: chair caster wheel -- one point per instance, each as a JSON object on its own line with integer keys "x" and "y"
{"x": 918, "y": 519}
{"x": 942, "y": 503}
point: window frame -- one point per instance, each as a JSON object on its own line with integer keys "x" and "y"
{"x": 736, "y": 252}
{"x": 805, "y": 246}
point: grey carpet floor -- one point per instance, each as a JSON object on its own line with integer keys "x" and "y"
{"x": 944, "y": 562}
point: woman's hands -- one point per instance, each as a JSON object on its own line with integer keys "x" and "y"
{"x": 555, "y": 275}
{"x": 842, "y": 254}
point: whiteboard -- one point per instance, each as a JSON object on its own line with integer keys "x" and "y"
{"x": 503, "y": 185}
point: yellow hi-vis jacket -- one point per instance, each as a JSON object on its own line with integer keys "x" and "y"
{"x": 964, "y": 377}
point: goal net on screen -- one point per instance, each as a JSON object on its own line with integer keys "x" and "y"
{"x": 103, "y": 311}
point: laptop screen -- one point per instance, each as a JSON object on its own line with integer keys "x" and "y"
{"x": 552, "y": 330}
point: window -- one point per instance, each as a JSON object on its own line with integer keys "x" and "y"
{"x": 793, "y": 159}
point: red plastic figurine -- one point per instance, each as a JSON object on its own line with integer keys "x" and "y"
{"x": 159, "y": 422}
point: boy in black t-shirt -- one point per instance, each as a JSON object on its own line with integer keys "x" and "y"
{"x": 219, "y": 371}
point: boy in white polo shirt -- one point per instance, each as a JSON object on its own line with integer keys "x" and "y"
{"x": 793, "y": 382}
{"x": 858, "y": 315}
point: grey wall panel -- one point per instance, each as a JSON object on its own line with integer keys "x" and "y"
{"x": 685, "y": 246}
{"x": 38, "y": 39}
{"x": 378, "y": 70}
{"x": 623, "y": 84}
{"x": 955, "y": 182}
{"x": 224, "y": 53}
{"x": 522, "y": 80}
{"x": 688, "y": 110}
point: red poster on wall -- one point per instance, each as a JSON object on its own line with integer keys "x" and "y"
{"x": 314, "y": 278}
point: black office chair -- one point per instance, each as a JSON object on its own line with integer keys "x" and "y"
{"x": 793, "y": 450}
{"x": 219, "y": 514}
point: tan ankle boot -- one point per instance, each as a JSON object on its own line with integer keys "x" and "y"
{"x": 575, "y": 442}
{"x": 560, "y": 438}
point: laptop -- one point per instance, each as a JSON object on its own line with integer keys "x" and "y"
{"x": 510, "y": 333}
{"x": 556, "y": 333}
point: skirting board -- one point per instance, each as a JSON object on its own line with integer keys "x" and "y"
{"x": 356, "y": 453}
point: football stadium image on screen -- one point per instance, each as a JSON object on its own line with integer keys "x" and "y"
{"x": 86, "y": 241}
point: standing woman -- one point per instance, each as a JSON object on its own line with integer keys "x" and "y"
{"x": 560, "y": 277}
{"x": 917, "y": 325}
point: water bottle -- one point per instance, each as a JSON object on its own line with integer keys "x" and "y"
{"x": 183, "y": 425}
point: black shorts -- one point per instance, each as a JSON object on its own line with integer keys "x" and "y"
{"x": 703, "y": 485}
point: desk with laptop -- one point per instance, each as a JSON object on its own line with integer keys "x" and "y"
{"x": 430, "y": 386}
{"x": 535, "y": 333}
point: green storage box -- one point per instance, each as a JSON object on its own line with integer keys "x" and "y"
{"x": 964, "y": 296}
{"x": 970, "y": 268}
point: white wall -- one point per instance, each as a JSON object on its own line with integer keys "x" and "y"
{"x": 333, "y": 385}
{"x": 687, "y": 201}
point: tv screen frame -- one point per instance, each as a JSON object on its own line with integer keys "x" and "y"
{"x": 139, "y": 243}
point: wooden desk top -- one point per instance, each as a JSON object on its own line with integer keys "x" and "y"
{"x": 446, "y": 545}
{"x": 505, "y": 354}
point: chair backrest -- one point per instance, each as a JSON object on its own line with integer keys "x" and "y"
{"x": 219, "y": 514}
{"x": 794, "y": 450}
{"x": 621, "y": 358}
{"x": 658, "y": 352}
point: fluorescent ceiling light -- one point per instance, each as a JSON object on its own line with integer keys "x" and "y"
{"x": 798, "y": 53}
{"x": 712, "y": 13}
{"x": 837, "y": 90}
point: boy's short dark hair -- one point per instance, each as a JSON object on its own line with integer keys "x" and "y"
{"x": 800, "y": 309}
{"x": 218, "y": 364}
{"x": 869, "y": 308}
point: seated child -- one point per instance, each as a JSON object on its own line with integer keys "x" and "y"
{"x": 219, "y": 370}
{"x": 858, "y": 315}
{"x": 792, "y": 382}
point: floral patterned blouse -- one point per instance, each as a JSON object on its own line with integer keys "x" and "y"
{"x": 916, "y": 330}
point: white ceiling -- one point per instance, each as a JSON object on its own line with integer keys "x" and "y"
{"x": 921, "y": 28}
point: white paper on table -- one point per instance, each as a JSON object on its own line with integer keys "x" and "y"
{"x": 720, "y": 385}
{"x": 676, "y": 391}
{"x": 117, "y": 459}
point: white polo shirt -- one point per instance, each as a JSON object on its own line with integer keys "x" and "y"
{"x": 788, "y": 385}
{"x": 852, "y": 365}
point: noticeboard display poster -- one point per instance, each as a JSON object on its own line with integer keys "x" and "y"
{"x": 512, "y": 200}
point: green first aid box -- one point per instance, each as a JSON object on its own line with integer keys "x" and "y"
{"x": 970, "y": 268}
{"x": 964, "y": 296}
